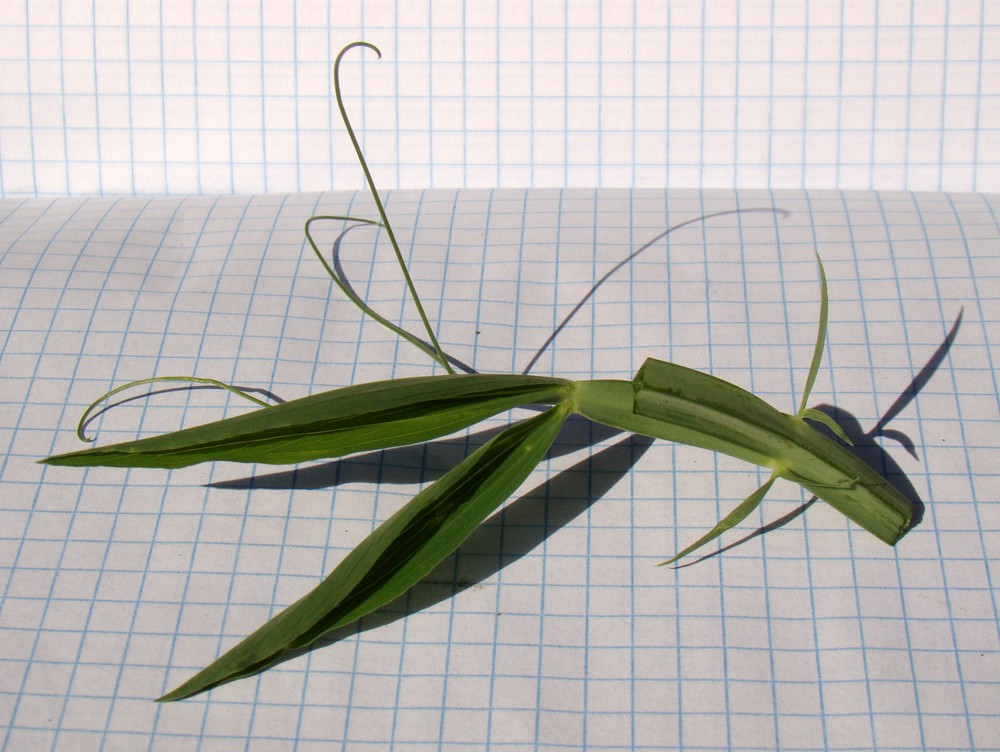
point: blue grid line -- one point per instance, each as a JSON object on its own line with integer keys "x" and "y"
{"x": 106, "y": 279}
{"x": 975, "y": 507}
{"x": 902, "y": 593}
{"x": 284, "y": 328}
{"x": 808, "y": 554}
{"x": 175, "y": 218}
{"x": 3, "y": 467}
{"x": 850, "y": 542}
{"x": 313, "y": 382}
{"x": 756, "y": 622}
{"x": 199, "y": 354}
{"x": 457, "y": 555}
{"x": 242, "y": 529}
{"x": 888, "y": 62}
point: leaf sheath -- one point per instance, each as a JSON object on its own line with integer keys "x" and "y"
{"x": 672, "y": 402}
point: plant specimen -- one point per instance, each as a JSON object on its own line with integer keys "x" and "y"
{"x": 664, "y": 400}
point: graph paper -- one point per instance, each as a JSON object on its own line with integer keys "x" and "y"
{"x": 148, "y": 97}
{"x": 551, "y": 628}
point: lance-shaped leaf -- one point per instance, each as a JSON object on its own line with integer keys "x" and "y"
{"x": 731, "y": 520}
{"x": 331, "y": 424}
{"x": 397, "y": 554}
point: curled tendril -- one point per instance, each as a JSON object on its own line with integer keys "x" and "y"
{"x": 437, "y": 354}
{"x": 81, "y": 426}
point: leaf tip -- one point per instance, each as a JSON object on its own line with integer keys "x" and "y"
{"x": 178, "y": 693}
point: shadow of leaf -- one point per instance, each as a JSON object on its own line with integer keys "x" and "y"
{"x": 507, "y": 535}
{"x": 866, "y": 446}
{"x": 417, "y": 463}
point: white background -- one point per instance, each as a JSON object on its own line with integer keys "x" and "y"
{"x": 236, "y": 97}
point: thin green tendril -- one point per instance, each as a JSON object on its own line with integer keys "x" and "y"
{"x": 438, "y": 353}
{"x": 156, "y": 379}
{"x": 353, "y": 296}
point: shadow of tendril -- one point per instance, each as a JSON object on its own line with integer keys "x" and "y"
{"x": 865, "y": 445}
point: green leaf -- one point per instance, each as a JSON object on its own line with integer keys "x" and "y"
{"x": 672, "y": 402}
{"x": 355, "y": 299}
{"x": 438, "y": 353}
{"x": 159, "y": 380}
{"x": 732, "y": 519}
{"x": 331, "y": 424}
{"x": 819, "y": 416}
{"x": 824, "y": 312}
{"x": 397, "y": 554}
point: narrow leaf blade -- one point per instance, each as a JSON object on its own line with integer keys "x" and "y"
{"x": 817, "y": 358}
{"x": 731, "y": 520}
{"x": 819, "y": 416}
{"x": 357, "y": 418}
{"x": 397, "y": 554}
